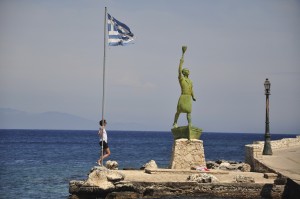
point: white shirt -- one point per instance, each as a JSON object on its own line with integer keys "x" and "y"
{"x": 104, "y": 134}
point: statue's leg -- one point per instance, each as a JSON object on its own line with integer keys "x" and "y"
{"x": 189, "y": 118}
{"x": 175, "y": 119}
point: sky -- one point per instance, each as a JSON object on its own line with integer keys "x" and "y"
{"x": 51, "y": 59}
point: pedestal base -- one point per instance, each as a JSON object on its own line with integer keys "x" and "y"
{"x": 188, "y": 132}
{"x": 187, "y": 153}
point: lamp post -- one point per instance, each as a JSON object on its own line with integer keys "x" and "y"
{"x": 267, "y": 146}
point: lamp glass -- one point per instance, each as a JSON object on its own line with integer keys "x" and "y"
{"x": 267, "y": 85}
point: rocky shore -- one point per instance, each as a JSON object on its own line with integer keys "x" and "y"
{"x": 221, "y": 179}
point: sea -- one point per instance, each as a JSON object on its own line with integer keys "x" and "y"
{"x": 37, "y": 164}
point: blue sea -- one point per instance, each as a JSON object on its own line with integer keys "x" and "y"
{"x": 40, "y": 163}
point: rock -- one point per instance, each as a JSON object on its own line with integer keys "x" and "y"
{"x": 231, "y": 167}
{"x": 219, "y": 161}
{"x": 228, "y": 165}
{"x": 74, "y": 185}
{"x": 233, "y": 162}
{"x": 224, "y": 165}
{"x": 103, "y": 178}
{"x": 212, "y": 165}
{"x": 270, "y": 175}
{"x": 202, "y": 178}
{"x": 280, "y": 180}
{"x": 115, "y": 176}
{"x": 244, "y": 179}
{"x": 112, "y": 165}
{"x": 124, "y": 186}
{"x": 244, "y": 167}
{"x": 150, "y": 165}
{"x": 98, "y": 178}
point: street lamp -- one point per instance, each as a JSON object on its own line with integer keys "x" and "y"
{"x": 267, "y": 147}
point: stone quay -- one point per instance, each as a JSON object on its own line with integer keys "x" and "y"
{"x": 275, "y": 176}
{"x": 285, "y": 162}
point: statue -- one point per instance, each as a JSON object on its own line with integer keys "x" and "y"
{"x": 187, "y": 149}
{"x": 185, "y": 100}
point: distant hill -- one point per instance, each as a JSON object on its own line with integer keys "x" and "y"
{"x": 15, "y": 119}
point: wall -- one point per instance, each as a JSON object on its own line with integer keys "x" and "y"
{"x": 253, "y": 152}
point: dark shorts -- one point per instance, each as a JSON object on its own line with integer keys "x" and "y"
{"x": 105, "y": 145}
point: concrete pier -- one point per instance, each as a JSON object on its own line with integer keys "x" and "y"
{"x": 285, "y": 161}
{"x": 275, "y": 176}
{"x": 173, "y": 183}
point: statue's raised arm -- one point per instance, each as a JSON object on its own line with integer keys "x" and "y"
{"x": 180, "y": 68}
{"x": 181, "y": 62}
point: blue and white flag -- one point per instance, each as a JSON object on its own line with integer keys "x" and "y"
{"x": 118, "y": 33}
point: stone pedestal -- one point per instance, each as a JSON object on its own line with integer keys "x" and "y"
{"x": 188, "y": 132}
{"x": 187, "y": 153}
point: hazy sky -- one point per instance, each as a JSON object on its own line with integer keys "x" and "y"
{"x": 51, "y": 59}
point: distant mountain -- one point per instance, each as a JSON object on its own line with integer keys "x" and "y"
{"x": 15, "y": 119}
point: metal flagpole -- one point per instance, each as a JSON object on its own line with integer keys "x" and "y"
{"x": 103, "y": 94}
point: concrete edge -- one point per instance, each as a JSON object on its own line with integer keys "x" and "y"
{"x": 183, "y": 171}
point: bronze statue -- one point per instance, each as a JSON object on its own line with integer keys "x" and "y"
{"x": 185, "y": 100}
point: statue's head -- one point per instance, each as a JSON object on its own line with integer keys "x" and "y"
{"x": 185, "y": 72}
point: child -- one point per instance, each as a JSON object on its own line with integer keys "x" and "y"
{"x": 103, "y": 135}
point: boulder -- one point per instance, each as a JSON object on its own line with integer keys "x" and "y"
{"x": 115, "y": 176}
{"x": 98, "y": 178}
{"x": 244, "y": 167}
{"x": 212, "y": 165}
{"x": 224, "y": 165}
{"x": 203, "y": 178}
{"x": 112, "y": 165}
{"x": 103, "y": 178}
{"x": 74, "y": 185}
{"x": 280, "y": 180}
{"x": 228, "y": 165}
{"x": 222, "y": 161}
{"x": 270, "y": 175}
{"x": 243, "y": 179}
{"x": 150, "y": 165}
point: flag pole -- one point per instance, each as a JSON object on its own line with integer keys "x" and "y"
{"x": 103, "y": 89}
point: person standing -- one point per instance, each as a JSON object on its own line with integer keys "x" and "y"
{"x": 103, "y": 139}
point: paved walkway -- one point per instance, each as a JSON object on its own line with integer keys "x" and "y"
{"x": 286, "y": 162}
{"x": 172, "y": 175}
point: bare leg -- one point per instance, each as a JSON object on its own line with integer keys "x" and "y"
{"x": 175, "y": 119}
{"x": 189, "y": 118}
{"x": 105, "y": 155}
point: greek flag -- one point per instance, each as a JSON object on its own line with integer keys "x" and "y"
{"x": 118, "y": 33}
